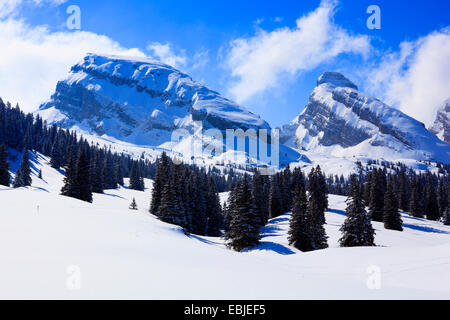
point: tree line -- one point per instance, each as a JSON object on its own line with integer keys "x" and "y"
{"x": 88, "y": 168}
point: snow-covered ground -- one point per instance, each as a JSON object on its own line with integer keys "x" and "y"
{"x": 56, "y": 247}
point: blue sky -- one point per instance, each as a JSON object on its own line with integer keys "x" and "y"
{"x": 215, "y": 42}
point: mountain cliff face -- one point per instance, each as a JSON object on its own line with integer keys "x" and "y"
{"x": 140, "y": 101}
{"x": 441, "y": 126}
{"x": 343, "y": 121}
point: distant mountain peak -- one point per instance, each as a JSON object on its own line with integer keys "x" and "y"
{"x": 344, "y": 122}
{"x": 441, "y": 126}
{"x": 335, "y": 79}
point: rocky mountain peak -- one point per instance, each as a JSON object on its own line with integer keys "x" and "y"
{"x": 441, "y": 126}
{"x": 336, "y": 79}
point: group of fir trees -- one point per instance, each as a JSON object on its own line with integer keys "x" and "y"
{"x": 98, "y": 167}
{"x": 186, "y": 196}
{"x": 306, "y": 231}
{"x": 423, "y": 195}
{"x": 23, "y": 174}
{"x": 253, "y": 201}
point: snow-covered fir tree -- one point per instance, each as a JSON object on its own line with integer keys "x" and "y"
{"x": 243, "y": 231}
{"x": 416, "y": 200}
{"x": 4, "y": 166}
{"x": 133, "y": 205}
{"x": 446, "y": 214}
{"x": 431, "y": 204}
{"x": 23, "y": 174}
{"x": 275, "y": 204}
{"x": 300, "y": 228}
{"x": 377, "y": 190}
{"x": 357, "y": 230}
{"x": 391, "y": 215}
{"x": 316, "y": 209}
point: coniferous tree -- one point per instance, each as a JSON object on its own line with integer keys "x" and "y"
{"x": 198, "y": 197}
{"x": 23, "y": 174}
{"x": 357, "y": 230}
{"x": 170, "y": 210}
{"x": 133, "y": 205}
{"x": 4, "y": 166}
{"x": 56, "y": 160}
{"x": 415, "y": 207}
{"x": 275, "y": 205}
{"x": 96, "y": 173}
{"x": 391, "y": 216}
{"x": 318, "y": 230}
{"x": 318, "y": 193}
{"x": 442, "y": 197}
{"x": 230, "y": 207}
{"x": 377, "y": 190}
{"x": 108, "y": 173}
{"x": 322, "y": 190}
{"x": 431, "y": 204}
{"x": 260, "y": 198}
{"x": 367, "y": 188}
{"x": 83, "y": 177}
{"x": 214, "y": 211}
{"x": 243, "y": 231}
{"x": 162, "y": 175}
{"x": 404, "y": 200}
{"x": 70, "y": 180}
{"x": 316, "y": 211}
{"x": 137, "y": 182}
{"x": 447, "y": 210}
{"x": 300, "y": 229}
{"x": 119, "y": 173}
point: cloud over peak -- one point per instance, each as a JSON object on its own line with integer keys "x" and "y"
{"x": 258, "y": 62}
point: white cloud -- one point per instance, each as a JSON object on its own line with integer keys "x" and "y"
{"x": 9, "y": 7}
{"x": 165, "y": 54}
{"x": 259, "y": 62}
{"x": 416, "y": 79}
{"x": 34, "y": 59}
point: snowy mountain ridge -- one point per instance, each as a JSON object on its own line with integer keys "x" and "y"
{"x": 344, "y": 122}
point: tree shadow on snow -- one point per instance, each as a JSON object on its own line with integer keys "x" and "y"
{"x": 424, "y": 228}
{"x": 336, "y": 211}
{"x": 114, "y": 196}
{"x": 193, "y": 236}
{"x": 272, "y": 246}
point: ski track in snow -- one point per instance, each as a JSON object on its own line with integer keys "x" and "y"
{"x": 125, "y": 254}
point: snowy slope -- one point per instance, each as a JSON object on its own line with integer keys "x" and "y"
{"x": 129, "y": 254}
{"x": 344, "y": 122}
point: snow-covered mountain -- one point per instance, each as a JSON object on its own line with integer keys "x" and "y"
{"x": 344, "y": 122}
{"x": 441, "y": 126}
{"x": 142, "y": 102}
